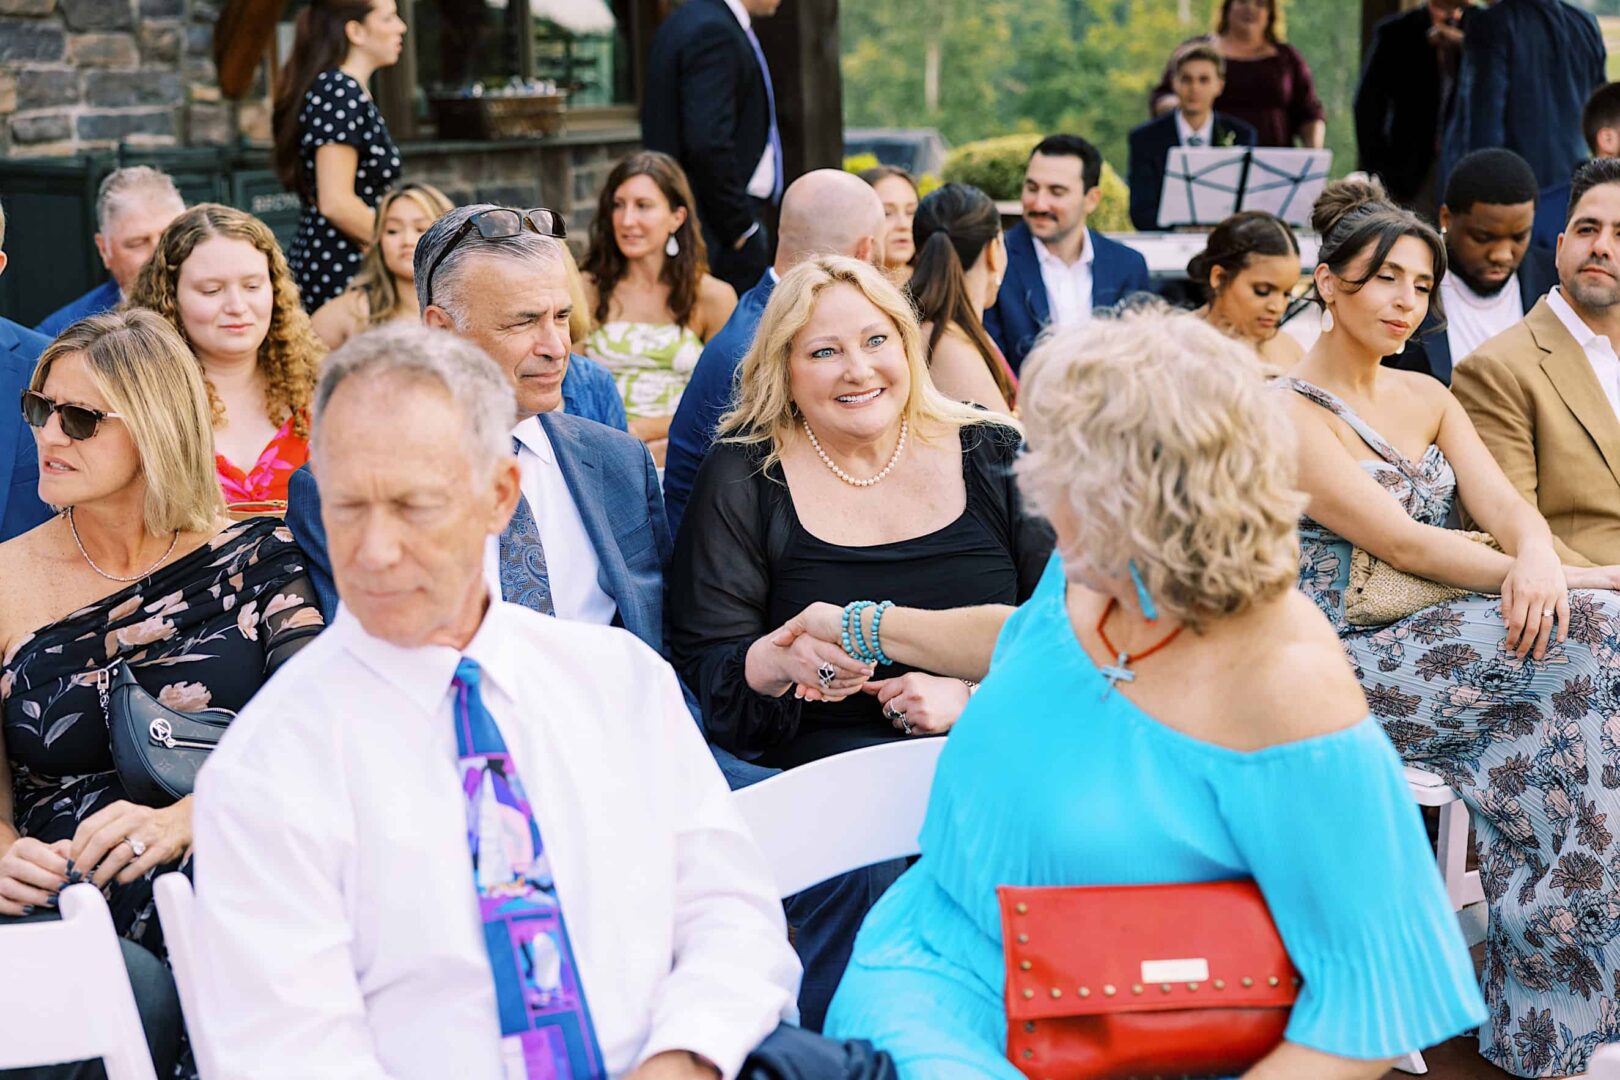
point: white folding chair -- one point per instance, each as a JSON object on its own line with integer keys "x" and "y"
{"x": 176, "y": 905}
{"x": 1605, "y": 1063}
{"x": 866, "y": 806}
{"x": 1451, "y": 852}
{"x": 75, "y": 1003}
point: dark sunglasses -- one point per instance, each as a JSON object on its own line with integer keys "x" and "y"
{"x": 78, "y": 421}
{"x": 500, "y": 223}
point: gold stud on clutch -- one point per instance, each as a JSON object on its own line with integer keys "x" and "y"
{"x": 1165, "y": 987}
{"x": 1023, "y": 939}
{"x": 1192, "y": 986}
{"x": 1247, "y": 982}
{"x": 1085, "y": 991}
{"x": 1136, "y": 988}
{"x": 1109, "y": 991}
{"x": 1028, "y": 1054}
{"x": 1024, "y": 965}
{"x": 1056, "y": 993}
{"x": 1273, "y": 981}
{"x": 1219, "y": 984}
{"x": 1028, "y": 994}
{"x": 1029, "y": 1025}
{"x": 1022, "y": 909}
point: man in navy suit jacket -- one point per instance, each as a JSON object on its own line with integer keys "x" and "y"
{"x": 20, "y": 507}
{"x": 592, "y": 491}
{"x": 1600, "y": 124}
{"x": 1198, "y": 72}
{"x": 1528, "y": 67}
{"x": 1057, "y": 269}
{"x": 827, "y": 211}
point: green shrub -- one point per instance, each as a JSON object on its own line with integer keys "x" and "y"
{"x": 859, "y": 163}
{"x": 996, "y": 167}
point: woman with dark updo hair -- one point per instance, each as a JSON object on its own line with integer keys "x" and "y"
{"x": 1249, "y": 269}
{"x": 961, "y": 258}
{"x": 1509, "y": 688}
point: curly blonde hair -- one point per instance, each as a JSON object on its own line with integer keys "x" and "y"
{"x": 290, "y": 352}
{"x": 1157, "y": 437}
{"x": 765, "y": 412}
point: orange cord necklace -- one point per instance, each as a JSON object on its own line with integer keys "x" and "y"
{"x": 1119, "y": 671}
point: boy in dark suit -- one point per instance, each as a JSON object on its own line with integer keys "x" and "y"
{"x": 1199, "y": 76}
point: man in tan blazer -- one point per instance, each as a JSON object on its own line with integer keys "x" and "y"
{"x": 1545, "y": 394}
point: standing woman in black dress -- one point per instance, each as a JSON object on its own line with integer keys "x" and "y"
{"x": 332, "y": 146}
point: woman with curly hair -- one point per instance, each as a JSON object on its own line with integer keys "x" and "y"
{"x": 220, "y": 279}
{"x": 385, "y": 287}
{"x": 653, "y": 300}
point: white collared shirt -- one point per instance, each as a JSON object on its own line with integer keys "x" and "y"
{"x": 338, "y": 932}
{"x": 1185, "y": 132}
{"x": 571, "y": 563}
{"x": 763, "y": 182}
{"x": 1068, "y": 288}
{"x": 1472, "y": 319}
{"x": 1598, "y": 348}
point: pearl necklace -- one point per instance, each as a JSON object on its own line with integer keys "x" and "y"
{"x": 74, "y": 529}
{"x": 844, "y": 476}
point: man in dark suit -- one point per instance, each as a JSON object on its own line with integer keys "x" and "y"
{"x": 20, "y": 507}
{"x": 1600, "y": 124}
{"x": 593, "y": 542}
{"x": 1528, "y": 67}
{"x": 1495, "y": 277}
{"x": 824, "y": 212}
{"x": 1198, "y": 72}
{"x": 1058, "y": 270}
{"x": 711, "y": 106}
{"x": 1405, "y": 96}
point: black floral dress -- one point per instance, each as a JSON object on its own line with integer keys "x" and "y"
{"x": 203, "y": 632}
{"x": 1533, "y": 748}
{"x": 337, "y": 109}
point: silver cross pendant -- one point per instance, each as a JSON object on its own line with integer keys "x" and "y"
{"x": 1116, "y": 673}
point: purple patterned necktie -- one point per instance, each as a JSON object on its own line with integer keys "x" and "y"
{"x": 546, "y": 1026}
{"x": 524, "y": 578}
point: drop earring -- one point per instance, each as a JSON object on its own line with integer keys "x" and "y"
{"x": 672, "y": 246}
{"x": 1327, "y": 320}
{"x": 1150, "y": 610}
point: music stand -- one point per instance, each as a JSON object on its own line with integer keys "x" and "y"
{"x": 1204, "y": 185}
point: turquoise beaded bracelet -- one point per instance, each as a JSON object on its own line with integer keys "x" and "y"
{"x": 853, "y": 635}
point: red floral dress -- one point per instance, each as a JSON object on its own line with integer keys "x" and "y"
{"x": 265, "y": 486}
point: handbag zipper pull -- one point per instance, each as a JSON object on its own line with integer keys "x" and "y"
{"x": 103, "y": 685}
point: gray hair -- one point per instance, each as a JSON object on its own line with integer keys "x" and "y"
{"x": 124, "y": 186}
{"x": 410, "y": 352}
{"x": 526, "y": 247}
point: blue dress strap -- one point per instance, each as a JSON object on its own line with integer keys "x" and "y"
{"x": 1335, "y": 405}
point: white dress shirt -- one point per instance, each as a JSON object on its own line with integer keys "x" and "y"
{"x": 1205, "y": 132}
{"x": 1472, "y": 319}
{"x": 1068, "y": 288}
{"x": 338, "y": 932}
{"x": 571, "y": 563}
{"x": 763, "y": 183}
{"x": 1598, "y": 348}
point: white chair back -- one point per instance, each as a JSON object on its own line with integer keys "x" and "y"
{"x": 66, "y": 994}
{"x": 176, "y": 905}
{"x": 1605, "y": 1063}
{"x": 841, "y": 813}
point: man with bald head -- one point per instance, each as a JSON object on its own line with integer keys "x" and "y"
{"x": 825, "y": 212}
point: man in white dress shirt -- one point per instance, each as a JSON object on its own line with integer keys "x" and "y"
{"x": 1545, "y": 394}
{"x": 339, "y": 928}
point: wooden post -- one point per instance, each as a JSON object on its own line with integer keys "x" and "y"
{"x": 801, "y": 45}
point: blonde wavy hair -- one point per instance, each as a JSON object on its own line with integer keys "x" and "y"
{"x": 579, "y": 318}
{"x": 765, "y": 413}
{"x": 374, "y": 280}
{"x": 151, "y": 380}
{"x": 1157, "y": 437}
{"x": 290, "y": 353}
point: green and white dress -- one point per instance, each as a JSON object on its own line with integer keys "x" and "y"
{"x": 650, "y": 362}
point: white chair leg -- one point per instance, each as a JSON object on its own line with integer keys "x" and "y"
{"x": 1452, "y": 853}
{"x": 1412, "y": 1063}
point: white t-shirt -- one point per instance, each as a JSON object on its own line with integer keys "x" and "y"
{"x": 1472, "y": 319}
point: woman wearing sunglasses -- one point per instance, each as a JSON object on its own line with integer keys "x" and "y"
{"x": 385, "y": 287}
{"x": 140, "y": 567}
{"x": 220, "y": 279}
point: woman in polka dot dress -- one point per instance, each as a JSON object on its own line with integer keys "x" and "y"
{"x": 332, "y": 146}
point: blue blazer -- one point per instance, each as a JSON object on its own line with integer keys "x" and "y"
{"x": 20, "y": 506}
{"x": 614, "y": 485}
{"x": 706, "y": 397}
{"x": 1552, "y": 209}
{"x": 1021, "y": 312}
{"x": 103, "y": 297}
{"x": 588, "y": 390}
{"x": 1429, "y": 350}
{"x": 1150, "y": 147}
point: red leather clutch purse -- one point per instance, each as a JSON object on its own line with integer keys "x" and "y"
{"x": 1120, "y": 982}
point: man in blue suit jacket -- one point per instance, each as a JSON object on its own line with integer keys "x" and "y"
{"x": 598, "y": 518}
{"x": 20, "y": 508}
{"x": 1600, "y": 125}
{"x": 826, "y": 211}
{"x": 1058, "y": 270}
{"x": 1527, "y": 68}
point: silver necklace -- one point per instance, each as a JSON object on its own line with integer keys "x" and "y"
{"x": 844, "y": 476}
{"x": 74, "y": 529}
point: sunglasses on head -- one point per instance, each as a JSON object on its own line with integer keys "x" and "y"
{"x": 78, "y": 421}
{"x": 500, "y": 223}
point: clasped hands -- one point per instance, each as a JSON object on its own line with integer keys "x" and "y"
{"x": 795, "y": 656}
{"x": 32, "y": 873}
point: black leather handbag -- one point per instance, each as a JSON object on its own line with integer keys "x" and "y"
{"x": 156, "y": 750}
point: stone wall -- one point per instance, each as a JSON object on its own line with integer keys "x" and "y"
{"x": 88, "y": 74}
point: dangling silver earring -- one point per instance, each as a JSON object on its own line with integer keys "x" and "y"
{"x": 1327, "y": 320}
{"x": 672, "y": 246}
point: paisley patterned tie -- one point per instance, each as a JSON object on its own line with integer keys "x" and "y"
{"x": 546, "y": 1026}
{"x": 523, "y": 560}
